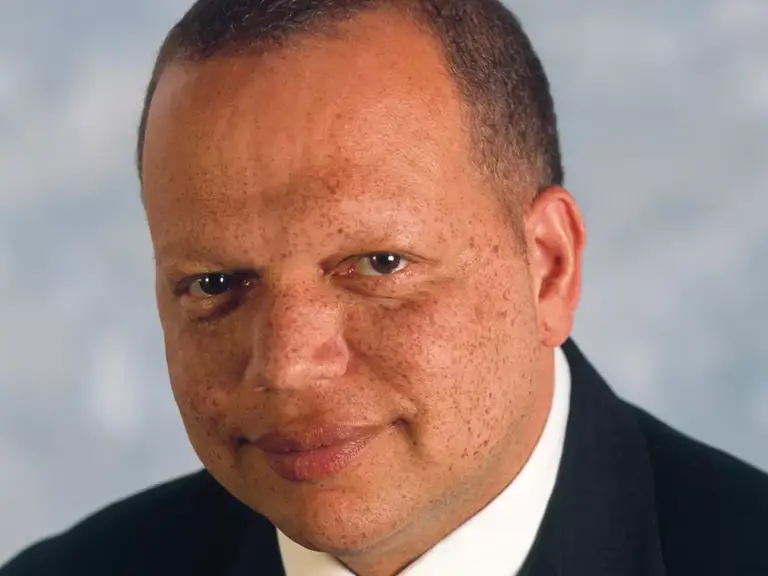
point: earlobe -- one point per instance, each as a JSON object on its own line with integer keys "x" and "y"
{"x": 556, "y": 237}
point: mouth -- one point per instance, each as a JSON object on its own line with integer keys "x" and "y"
{"x": 313, "y": 453}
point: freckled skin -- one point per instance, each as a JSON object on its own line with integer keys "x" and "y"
{"x": 287, "y": 166}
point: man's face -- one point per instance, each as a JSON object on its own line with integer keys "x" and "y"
{"x": 332, "y": 270}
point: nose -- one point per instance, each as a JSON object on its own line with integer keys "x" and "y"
{"x": 298, "y": 340}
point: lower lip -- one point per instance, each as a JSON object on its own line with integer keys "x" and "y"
{"x": 318, "y": 463}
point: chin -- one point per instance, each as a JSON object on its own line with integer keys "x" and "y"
{"x": 339, "y": 539}
{"x": 336, "y": 523}
{"x": 340, "y": 515}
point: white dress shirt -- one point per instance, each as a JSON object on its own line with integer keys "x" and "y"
{"x": 496, "y": 540}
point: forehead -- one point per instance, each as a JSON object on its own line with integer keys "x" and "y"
{"x": 370, "y": 111}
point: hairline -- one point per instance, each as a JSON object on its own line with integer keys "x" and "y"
{"x": 511, "y": 176}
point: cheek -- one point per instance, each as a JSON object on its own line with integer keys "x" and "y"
{"x": 204, "y": 369}
{"x": 457, "y": 365}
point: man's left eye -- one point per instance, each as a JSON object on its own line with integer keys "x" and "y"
{"x": 378, "y": 264}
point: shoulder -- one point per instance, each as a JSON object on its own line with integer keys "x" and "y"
{"x": 157, "y": 531}
{"x": 712, "y": 507}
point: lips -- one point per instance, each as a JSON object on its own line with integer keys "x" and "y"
{"x": 315, "y": 452}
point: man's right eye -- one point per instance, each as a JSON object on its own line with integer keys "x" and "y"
{"x": 213, "y": 285}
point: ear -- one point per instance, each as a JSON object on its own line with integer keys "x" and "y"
{"x": 555, "y": 236}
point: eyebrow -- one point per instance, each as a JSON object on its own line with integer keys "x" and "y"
{"x": 374, "y": 229}
{"x": 180, "y": 257}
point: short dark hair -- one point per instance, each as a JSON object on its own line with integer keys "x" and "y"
{"x": 488, "y": 54}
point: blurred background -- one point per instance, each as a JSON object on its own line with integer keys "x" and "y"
{"x": 664, "y": 120}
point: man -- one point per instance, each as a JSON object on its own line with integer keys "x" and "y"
{"x": 367, "y": 272}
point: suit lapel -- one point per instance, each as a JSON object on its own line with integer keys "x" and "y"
{"x": 601, "y": 520}
{"x": 258, "y": 553}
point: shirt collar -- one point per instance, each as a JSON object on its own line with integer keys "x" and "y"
{"x": 496, "y": 540}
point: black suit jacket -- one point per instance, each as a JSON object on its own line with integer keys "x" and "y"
{"x": 633, "y": 497}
